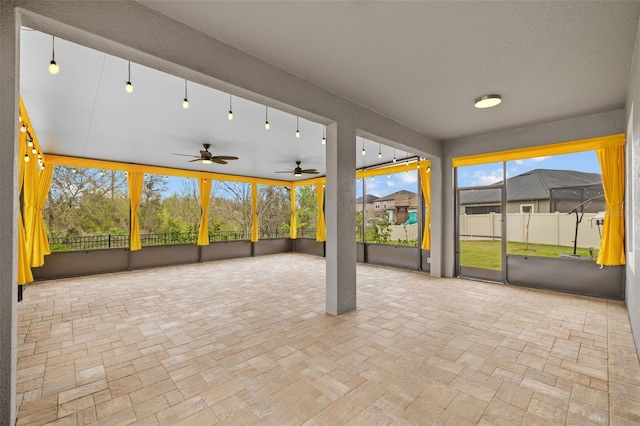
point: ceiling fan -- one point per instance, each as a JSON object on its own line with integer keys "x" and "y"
{"x": 206, "y": 157}
{"x": 298, "y": 171}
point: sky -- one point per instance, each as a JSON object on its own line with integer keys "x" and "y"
{"x": 485, "y": 174}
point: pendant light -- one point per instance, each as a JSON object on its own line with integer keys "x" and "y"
{"x": 324, "y": 138}
{"x": 379, "y": 150}
{"x": 297, "y": 127}
{"x": 129, "y": 87}
{"x": 394, "y": 155}
{"x": 34, "y": 151}
{"x": 230, "y": 115}
{"x": 266, "y": 118}
{"x": 53, "y": 67}
{"x": 23, "y": 128}
{"x": 26, "y": 158}
{"x": 363, "y": 151}
{"x": 407, "y": 162}
{"x": 185, "y": 103}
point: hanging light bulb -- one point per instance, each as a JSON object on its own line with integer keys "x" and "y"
{"x": 19, "y": 116}
{"x": 26, "y": 158}
{"x": 30, "y": 142}
{"x": 266, "y": 118}
{"x": 297, "y": 127}
{"x": 407, "y": 162}
{"x": 379, "y": 150}
{"x": 185, "y": 103}
{"x": 23, "y": 128}
{"x": 73, "y": 170}
{"x": 34, "y": 150}
{"x": 389, "y": 176}
{"x": 230, "y": 115}
{"x": 101, "y": 173}
{"x": 324, "y": 138}
{"x": 53, "y": 67}
{"x": 129, "y": 87}
{"x": 363, "y": 151}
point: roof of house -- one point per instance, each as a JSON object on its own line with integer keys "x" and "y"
{"x": 402, "y": 198}
{"x": 532, "y": 185}
{"x": 370, "y": 199}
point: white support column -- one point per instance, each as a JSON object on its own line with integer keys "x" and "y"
{"x": 340, "y": 216}
{"x": 9, "y": 76}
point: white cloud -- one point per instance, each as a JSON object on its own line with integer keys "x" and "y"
{"x": 411, "y": 177}
{"x": 539, "y": 159}
{"x": 390, "y": 183}
{"x": 519, "y": 162}
{"x": 487, "y": 177}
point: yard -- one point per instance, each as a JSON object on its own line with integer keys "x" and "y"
{"x": 486, "y": 254}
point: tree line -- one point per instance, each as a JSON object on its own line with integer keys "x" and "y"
{"x": 93, "y": 202}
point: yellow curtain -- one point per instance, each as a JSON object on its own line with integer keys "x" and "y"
{"x": 541, "y": 150}
{"x": 254, "y": 212}
{"x": 425, "y": 184}
{"x": 293, "y": 225}
{"x": 24, "y": 270}
{"x": 612, "y": 242}
{"x": 321, "y": 231}
{"x": 135, "y": 180}
{"x": 205, "y": 197}
{"x": 40, "y": 244}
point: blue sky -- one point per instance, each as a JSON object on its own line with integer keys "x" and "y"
{"x": 485, "y": 174}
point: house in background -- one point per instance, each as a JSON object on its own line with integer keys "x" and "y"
{"x": 370, "y": 207}
{"x": 539, "y": 191}
{"x": 399, "y": 205}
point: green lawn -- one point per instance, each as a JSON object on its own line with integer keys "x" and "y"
{"x": 486, "y": 254}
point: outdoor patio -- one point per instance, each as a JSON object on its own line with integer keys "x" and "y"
{"x": 247, "y": 341}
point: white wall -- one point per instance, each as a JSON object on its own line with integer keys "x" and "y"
{"x": 632, "y": 201}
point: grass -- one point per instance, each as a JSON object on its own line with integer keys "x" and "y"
{"x": 486, "y": 253}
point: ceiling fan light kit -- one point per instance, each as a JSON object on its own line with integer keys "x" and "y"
{"x": 206, "y": 157}
{"x": 299, "y": 171}
{"x": 487, "y": 101}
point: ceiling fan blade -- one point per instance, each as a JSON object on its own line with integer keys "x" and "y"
{"x": 197, "y": 159}
{"x": 285, "y": 171}
{"x": 185, "y": 155}
{"x": 218, "y": 160}
{"x": 310, "y": 171}
{"x": 224, "y": 157}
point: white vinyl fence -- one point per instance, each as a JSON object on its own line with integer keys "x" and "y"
{"x": 402, "y": 232}
{"x": 543, "y": 228}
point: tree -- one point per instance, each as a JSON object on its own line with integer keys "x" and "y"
{"x": 86, "y": 201}
{"x": 307, "y": 206}
{"x": 150, "y": 211}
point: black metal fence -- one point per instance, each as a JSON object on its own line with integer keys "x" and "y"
{"x": 88, "y": 242}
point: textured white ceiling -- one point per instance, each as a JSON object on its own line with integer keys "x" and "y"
{"x": 84, "y": 111}
{"x": 423, "y": 63}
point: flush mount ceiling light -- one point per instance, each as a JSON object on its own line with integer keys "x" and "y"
{"x": 230, "y": 115}
{"x": 53, "y": 67}
{"x": 129, "y": 87}
{"x": 487, "y": 101}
